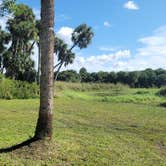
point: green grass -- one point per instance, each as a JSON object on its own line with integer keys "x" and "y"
{"x": 115, "y": 94}
{"x": 95, "y": 127}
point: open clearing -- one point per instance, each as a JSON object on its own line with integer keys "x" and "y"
{"x": 90, "y": 128}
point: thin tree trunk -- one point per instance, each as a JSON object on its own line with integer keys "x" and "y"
{"x": 44, "y": 123}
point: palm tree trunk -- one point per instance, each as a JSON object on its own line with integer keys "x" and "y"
{"x": 44, "y": 123}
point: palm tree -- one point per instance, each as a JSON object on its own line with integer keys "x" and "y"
{"x": 81, "y": 37}
{"x": 44, "y": 123}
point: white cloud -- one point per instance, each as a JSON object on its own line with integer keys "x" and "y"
{"x": 107, "y": 24}
{"x": 131, "y": 5}
{"x": 3, "y": 21}
{"x": 154, "y": 45}
{"x": 37, "y": 13}
{"x": 65, "y": 34}
{"x": 152, "y": 54}
{"x": 99, "y": 62}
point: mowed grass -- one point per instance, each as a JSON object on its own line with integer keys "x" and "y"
{"x": 87, "y": 131}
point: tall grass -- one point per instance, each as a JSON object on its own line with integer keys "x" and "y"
{"x": 87, "y": 86}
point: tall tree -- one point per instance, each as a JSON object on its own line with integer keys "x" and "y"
{"x": 22, "y": 28}
{"x": 83, "y": 74}
{"x": 44, "y": 123}
{"x": 81, "y": 37}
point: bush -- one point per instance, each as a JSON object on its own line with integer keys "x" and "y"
{"x": 11, "y": 89}
{"x": 6, "y": 88}
{"x": 162, "y": 92}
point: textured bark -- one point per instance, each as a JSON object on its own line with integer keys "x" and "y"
{"x": 44, "y": 124}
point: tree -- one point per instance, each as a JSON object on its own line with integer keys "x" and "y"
{"x": 112, "y": 77}
{"x": 132, "y": 79}
{"x": 102, "y": 76}
{"x": 161, "y": 80}
{"x": 44, "y": 123}
{"x": 22, "y": 29}
{"x": 81, "y": 37}
{"x": 83, "y": 74}
{"x": 122, "y": 77}
{"x": 61, "y": 50}
{"x": 69, "y": 76}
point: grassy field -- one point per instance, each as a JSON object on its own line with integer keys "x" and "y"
{"x": 95, "y": 126}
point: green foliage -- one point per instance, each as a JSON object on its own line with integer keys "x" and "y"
{"x": 7, "y": 7}
{"x": 83, "y": 74}
{"x": 6, "y": 88}
{"x": 82, "y": 36}
{"x": 10, "y": 89}
{"x": 24, "y": 90}
{"x": 110, "y": 93}
{"x": 69, "y": 76}
{"x": 135, "y": 79}
{"x": 61, "y": 50}
{"x": 16, "y": 59}
{"x": 86, "y": 87}
{"x": 162, "y": 92}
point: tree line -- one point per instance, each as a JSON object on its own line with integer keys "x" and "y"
{"x": 144, "y": 79}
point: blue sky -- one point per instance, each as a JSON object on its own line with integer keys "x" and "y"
{"x": 129, "y": 35}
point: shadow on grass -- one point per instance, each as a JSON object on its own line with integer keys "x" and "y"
{"x": 20, "y": 145}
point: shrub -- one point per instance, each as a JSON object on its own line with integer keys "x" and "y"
{"x": 162, "y": 92}
{"x": 11, "y": 89}
{"x": 6, "y": 89}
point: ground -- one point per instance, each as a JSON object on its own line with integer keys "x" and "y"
{"x": 95, "y": 127}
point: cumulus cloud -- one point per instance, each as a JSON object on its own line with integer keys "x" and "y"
{"x": 107, "y": 24}
{"x": 65, "y": 34}
{"x": 131, "y": 5}
{"x": 99, "y": 62}
{"x": 154, "y": 45}
{"x": 152, "y": 54}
